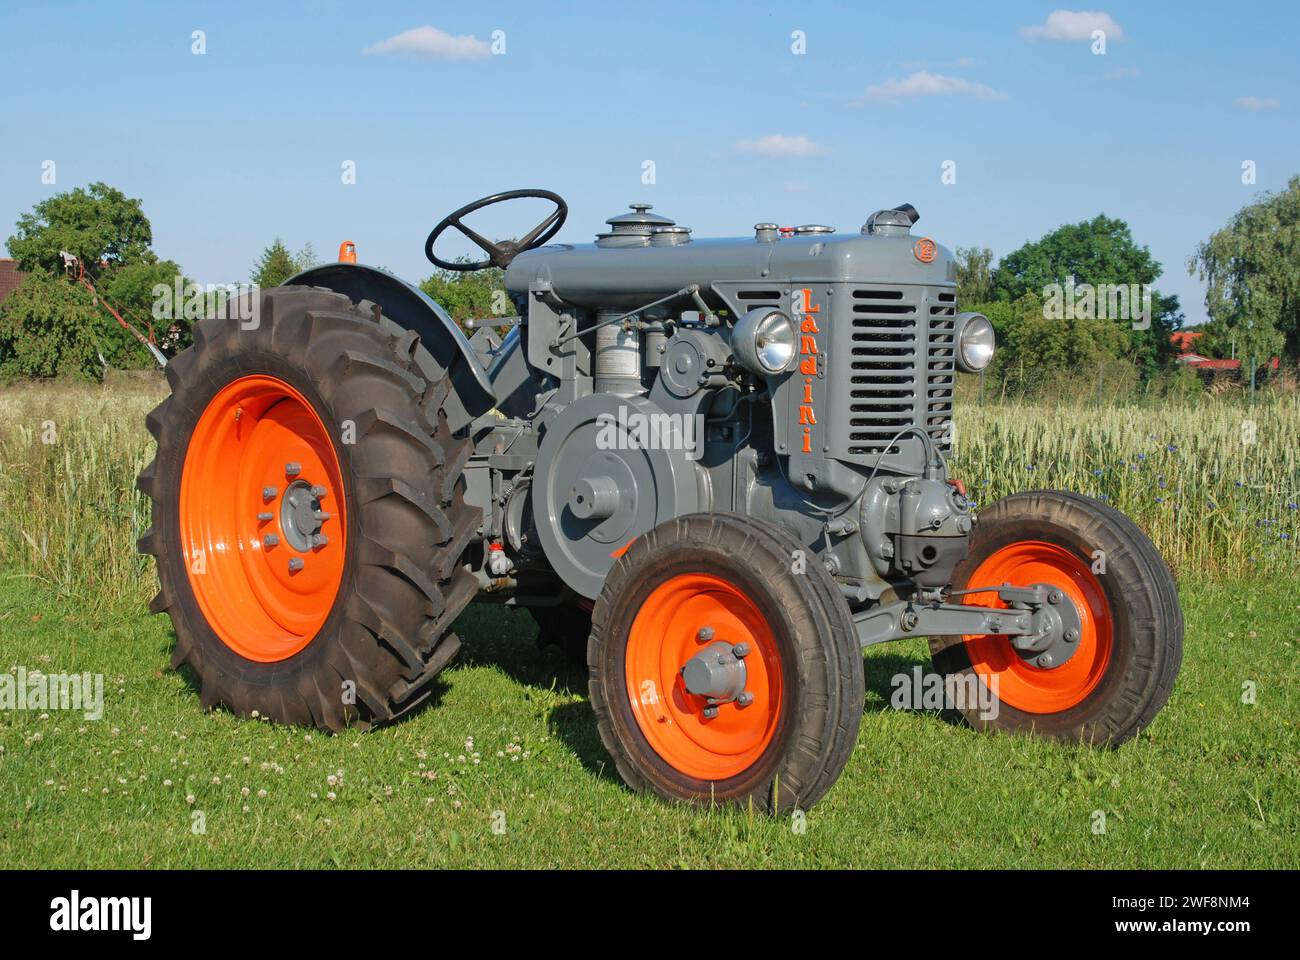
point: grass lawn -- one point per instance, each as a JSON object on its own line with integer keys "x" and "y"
{"x": 511, "y": 743}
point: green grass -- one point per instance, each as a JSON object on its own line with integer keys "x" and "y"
{"x": 1213, "y": 783}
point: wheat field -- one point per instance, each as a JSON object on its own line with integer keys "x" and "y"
{"x": 1215, "y": 483}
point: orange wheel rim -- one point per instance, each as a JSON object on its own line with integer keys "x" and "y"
{"x": 1019, "y": 683}
{"x": 664, "y": 636}
{"x": 263, "y": 522}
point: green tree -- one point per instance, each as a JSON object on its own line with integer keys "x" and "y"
{"x": 100, "y": 225}
{"x": 481, "y": 293}
{"x": 133, "y": 290}
{"x": 275, "y": 265}
{"x": 974, "y": 275}
{"x": 1095, "y": 252}
{"x": 1251, "y": 268}
{"x": 52, "y": 325}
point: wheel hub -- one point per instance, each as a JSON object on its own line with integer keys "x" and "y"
{"x": 717, "y": 672}
{"x": 1058, "y": 627}
{"x": 301, "y": 516}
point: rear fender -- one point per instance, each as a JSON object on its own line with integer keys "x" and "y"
{"x": 471, "y": 394}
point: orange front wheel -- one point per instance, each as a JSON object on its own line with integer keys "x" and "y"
{"x": 1124, "y": 646}
{"x": 722, "y": 671}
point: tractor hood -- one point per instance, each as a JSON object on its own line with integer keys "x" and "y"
{"x": 624, "y": 268}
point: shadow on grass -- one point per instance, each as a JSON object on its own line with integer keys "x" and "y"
{"x": 881, "y": 669}
{"x": 504, "y": 638}
{"x": 431, "y": 697}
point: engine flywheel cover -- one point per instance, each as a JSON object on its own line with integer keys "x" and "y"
{"x": 606, "y": 445}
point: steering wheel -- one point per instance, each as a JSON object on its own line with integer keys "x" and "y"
{"x": 502, "y": 252}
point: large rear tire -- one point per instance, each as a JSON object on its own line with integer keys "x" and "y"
{"x": 308, "y": 512}
{"x": 739, "y": 581}
{"x": 1130, "y": 642}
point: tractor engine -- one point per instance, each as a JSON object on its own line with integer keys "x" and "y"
{"x": 796, "y": 375}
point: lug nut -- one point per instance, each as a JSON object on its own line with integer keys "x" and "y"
{"x": 265, "y": 517}
{"x": 318, "y": 492}
{"x": 740, "y": 651}
{"x": 268, "y": 493}
{"x": 295, "y": 564}
{"x": 1071, "y": 636}
{"x": 1044, "y": 660}
{"x": 745, "y": 699}
{"x": 1054, "y": 596}
{"x": 705, "y": 633}
{"x": 292, "y": 468}
{"x": 319, "y": 539}
{"x": 710, "y": 712}
{"x": 270, "y": 540}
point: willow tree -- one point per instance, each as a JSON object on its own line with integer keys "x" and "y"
{"x": 1251, "y": 269}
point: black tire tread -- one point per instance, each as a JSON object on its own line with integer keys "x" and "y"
{"x": 390, "y": 634}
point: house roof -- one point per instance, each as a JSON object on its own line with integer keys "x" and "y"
{"x": 10, "y": 277}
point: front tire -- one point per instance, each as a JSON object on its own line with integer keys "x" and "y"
{"x": 1131, "y": 637}
{"x": 707, "y": 579}
{"x": 308, "y": 513}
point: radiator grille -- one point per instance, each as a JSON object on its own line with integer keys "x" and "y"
{"x": 940, "y": 371}
{"x": 882, "y": 379}
{"x": 900, "y": 371}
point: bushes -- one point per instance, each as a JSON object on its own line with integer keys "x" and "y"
{"x": 51, "y": 326}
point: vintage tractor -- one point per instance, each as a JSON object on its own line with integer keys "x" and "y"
{"x": 715, "y": 467}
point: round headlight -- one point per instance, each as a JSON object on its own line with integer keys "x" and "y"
{"x": 975, "y": 342}
{"x": 764, "y": 341}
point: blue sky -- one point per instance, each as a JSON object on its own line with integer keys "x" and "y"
{"x": 247, "y": 141}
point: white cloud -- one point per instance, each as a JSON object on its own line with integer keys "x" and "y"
{"x": 1074, "y": 25}
{"x": 926, "y": 84}
{"x": 433, "y": 44}
{"x": 1256, "y": 103}
{"x": 778, "y": 145}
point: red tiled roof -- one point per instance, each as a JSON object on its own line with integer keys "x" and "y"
{"x": 1184, "y": 339}
{"x": 10, "y": 278}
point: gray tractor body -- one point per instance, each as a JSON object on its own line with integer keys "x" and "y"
{"x": 622, "y": 402}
